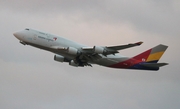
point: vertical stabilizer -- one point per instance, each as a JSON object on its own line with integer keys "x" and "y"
{"x": 152, "y": 55}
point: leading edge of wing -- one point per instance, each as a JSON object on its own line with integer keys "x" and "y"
{"x": 113, "y": 49}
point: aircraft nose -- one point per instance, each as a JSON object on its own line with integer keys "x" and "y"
{"x": 15, "y": 34}
{"x": 18, "y": 35}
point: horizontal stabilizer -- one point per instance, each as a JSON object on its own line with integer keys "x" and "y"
{"x": 153, "y": 64}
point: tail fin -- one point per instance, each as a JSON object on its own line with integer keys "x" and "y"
{"x": 152, "y": 55}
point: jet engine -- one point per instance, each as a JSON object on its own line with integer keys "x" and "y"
{"x": 72, "y": 63}
{"x": 72, "y": 50}
{"x": 60, "y": 58}
{"x": 99, "y": 50}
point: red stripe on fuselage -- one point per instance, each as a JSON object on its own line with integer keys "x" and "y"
{"x": 143, "y": 56}
{"x": 125, "y": 64}
{"x": 132, "y": 61}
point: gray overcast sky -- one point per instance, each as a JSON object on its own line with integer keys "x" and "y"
{"x": 30, "y": 79}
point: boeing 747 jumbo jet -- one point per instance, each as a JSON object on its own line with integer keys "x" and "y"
{"x": 80, "y": 55}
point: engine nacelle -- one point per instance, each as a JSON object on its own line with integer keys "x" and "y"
{"x": 59, "y": 58}
{"x": 72, "y": 50}
{"x": 98, "y": 50}
{"x": 72, "y": 63}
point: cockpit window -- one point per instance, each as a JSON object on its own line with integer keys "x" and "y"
{"x": 27, "y": 29}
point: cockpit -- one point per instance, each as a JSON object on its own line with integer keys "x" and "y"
{"x": 27, "y": 29}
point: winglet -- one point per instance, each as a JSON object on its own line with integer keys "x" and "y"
{"x": 139, "y": 43}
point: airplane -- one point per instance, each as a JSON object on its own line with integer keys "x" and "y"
{"x": 79, "y": 55}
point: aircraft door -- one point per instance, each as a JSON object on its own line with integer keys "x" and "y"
{"x": 35, "y": 37}
{"x": 49, "y": 40}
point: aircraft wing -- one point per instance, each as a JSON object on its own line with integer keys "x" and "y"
{"x": 88, "y": 54}
{"x": 121, "y": 47}
{"x": 109, "y": 49}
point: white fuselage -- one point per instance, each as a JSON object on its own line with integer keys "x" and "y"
{"x": 51, "y": 42}
{"x": 80, "y": 55}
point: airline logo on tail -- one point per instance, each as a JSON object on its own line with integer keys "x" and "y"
{"x": 144, "y": 61}
{"x": 152, "y": 55}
